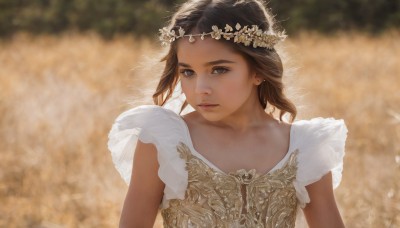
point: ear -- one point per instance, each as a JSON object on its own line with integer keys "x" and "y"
{"x": 257, "y": 80}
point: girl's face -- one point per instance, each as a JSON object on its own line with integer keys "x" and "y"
{"x": 216, "y": 81}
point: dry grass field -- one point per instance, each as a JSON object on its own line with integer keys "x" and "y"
{"x": 60, "y": 95}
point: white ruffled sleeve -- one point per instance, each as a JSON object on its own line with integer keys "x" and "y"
{"x": 321, "y": 144}
{"x": 156, "y": 125}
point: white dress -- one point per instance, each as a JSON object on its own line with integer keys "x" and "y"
{"x": 319, "y": 145}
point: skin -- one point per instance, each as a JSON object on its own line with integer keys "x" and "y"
{"x": 212, "y": 73}
{"x": 228, "y": 119}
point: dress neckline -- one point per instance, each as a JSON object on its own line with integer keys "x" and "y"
{"x": 278, "y": 165}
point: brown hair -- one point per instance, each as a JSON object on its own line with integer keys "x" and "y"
{"x": 201, "y": 15}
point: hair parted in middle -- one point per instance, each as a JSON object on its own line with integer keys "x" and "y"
{"x": 200, "y": 16}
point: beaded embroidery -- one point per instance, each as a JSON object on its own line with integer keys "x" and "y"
{"x": 238, "y": 199}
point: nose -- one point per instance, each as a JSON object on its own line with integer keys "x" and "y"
{"x": 203, "y": 85}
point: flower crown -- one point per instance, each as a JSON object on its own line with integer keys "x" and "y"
{"x": 245, "y": 35}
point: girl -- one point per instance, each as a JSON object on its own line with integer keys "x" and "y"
{"x": 226, "y": 162}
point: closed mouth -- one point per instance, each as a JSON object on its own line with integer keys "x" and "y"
{"x": 207, "y": 105}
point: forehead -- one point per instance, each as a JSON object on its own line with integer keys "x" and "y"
{"x": 205, "y": 50}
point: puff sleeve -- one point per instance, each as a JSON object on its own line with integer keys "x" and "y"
{"x": 156, "y": 125}
{"x": 321, "y": 143}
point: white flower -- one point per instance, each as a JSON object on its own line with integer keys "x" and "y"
{"x": 238, "y": 26}
{"x": 191, "y": 39}
{"x": 228, "y": 28}
{"x": 181, "y": 32}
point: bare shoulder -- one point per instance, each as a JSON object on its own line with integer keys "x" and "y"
{"x": 193, "y": 119}
{"x": 284, "y": 127}
{"x": 278, "y": 134}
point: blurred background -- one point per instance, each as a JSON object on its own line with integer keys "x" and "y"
{"x": 69, "y": 67}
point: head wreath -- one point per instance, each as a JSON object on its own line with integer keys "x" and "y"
{"x": 246, "y": 35}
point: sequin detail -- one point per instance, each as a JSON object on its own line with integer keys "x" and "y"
{"x": 238, "y": 199}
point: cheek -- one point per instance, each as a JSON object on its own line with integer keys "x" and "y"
{"x": 187, "y": 88}
{"x": 237, "y": 85}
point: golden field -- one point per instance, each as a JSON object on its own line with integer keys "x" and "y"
{"x": 60, "y": 95}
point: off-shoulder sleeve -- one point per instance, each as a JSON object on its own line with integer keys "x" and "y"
{"x": 156, "y": 125}
{"x": 321, "y": 144}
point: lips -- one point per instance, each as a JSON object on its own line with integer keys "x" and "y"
{"x": 207, "y": 105}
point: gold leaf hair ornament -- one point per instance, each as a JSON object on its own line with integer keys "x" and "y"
{"x": 246, "y": 35}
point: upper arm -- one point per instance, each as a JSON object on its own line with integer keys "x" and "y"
{"x": 322, "y": 210}
{"x": 145, "y": 190}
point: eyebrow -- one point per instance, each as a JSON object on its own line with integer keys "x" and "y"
{"x": 220, "y": 61}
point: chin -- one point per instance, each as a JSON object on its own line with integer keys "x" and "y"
{"x": 210, "y": 116}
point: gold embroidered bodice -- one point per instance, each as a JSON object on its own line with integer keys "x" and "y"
{"x": 238, "y": 199}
